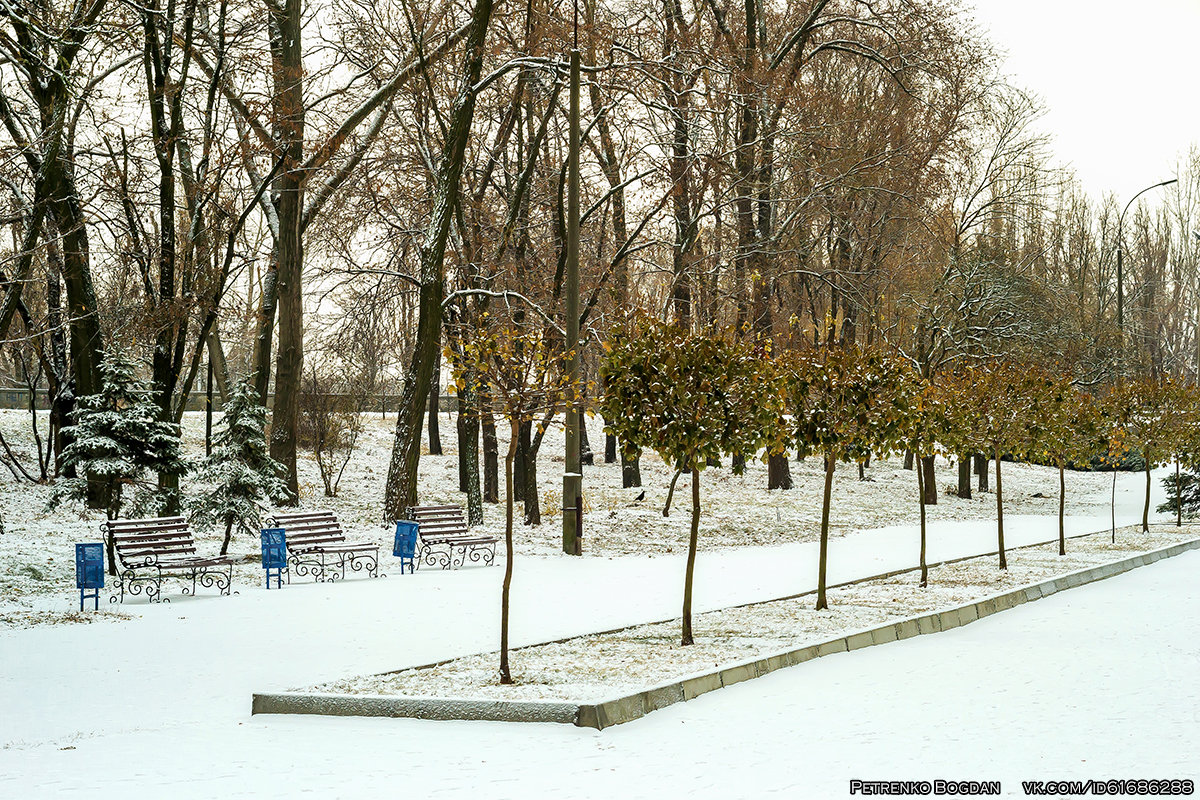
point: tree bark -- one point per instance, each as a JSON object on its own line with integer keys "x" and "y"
{"x": 931, "y": 492}
{"x": 779, "y": 476}
{"x": 908, "y": 459}
{"x": 1146, "y": 508}
{"x": 1062, "y": 507}
{"x": 981, "y": 469}
{"x": 522, "y": 458}
{"x": 463, "y": 425}
{"x": 964, "y": 476}
{"x": 1178, "y": 496}
{"x": 631, "y": 471}
{"x": 586, "y": 457}
{"x": 435, "y": 388}
{"x": 693, "y": 538}
{"x": 1000, "y": 511}
{"x": 491, "y": 455}
{"x": 921, "y": 502}
{"x": 533, "y": 504}
{"x": 401, "y": 489}
{"x": 505, "y": 673}
{"x": 469, "y": 446}
{"x": 671, "y": 493}
{"x": 823, "y": 560}
{"x": 610, "y": 448}
{"x": 288, "y": 111}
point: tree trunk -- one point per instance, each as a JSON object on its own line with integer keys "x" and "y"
{"x": 1112, "y": 504}
{"x": 265, "y": 335}
{"x": 463, "y": 426}
{"x": 288, "y": 113}
{"x": 522, "y": 457}
{"x": 468, "y": 451}
{"x": 964, "y": 476}
{"x": 671, "y": 493}
{"x": 631, "y": 471}
{"x": 691, "y": 559}
{"x": 908, "y": 459}
{"x": 1178, "y": 496}
{"x": 1146, "y": 508}
{"x": 533, "y": 504}
{"x": 401, "y": 489}
{"x": 779, "y": 475}
{"x": 610, "y": 448}
{"x": 981, "y": 469}
{"x": 491, "y": 456}
{"x": 228, "y": 535}
{"x": 931, "y": 492}
{"x": 505, "y": 674}
{"x": 823, "y": 560}
{"x": 921, "y": 502}
{"x": 1062, "y": 507}
{"x": 586, "y": 456}
{"x": 1000, "y": 511}
{"x": 435, "y": 388}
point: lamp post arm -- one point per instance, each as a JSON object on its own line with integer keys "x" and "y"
{"x": 1120, "y": 248}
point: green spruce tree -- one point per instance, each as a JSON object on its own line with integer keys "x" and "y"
{"x": 240, "y": 472}
{"x": 119, "y": 446}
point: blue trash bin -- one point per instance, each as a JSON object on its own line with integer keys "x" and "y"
{"x": 89, "y": 572}
{"x": 274, "y": 556}
{"x": 405, "y": 547}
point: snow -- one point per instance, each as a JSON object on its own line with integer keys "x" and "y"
{"x": 593, "y": 669}
{"x": 157, "y": 696}
{"x": 1090, "y": 683}
{"x": 36, "y": 567}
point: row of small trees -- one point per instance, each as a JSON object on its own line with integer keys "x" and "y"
{"x": 694, "y": 397}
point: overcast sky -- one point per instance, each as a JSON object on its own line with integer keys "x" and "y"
{"x": 1121, "y": 81}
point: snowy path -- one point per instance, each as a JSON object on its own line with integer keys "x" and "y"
{"x": 196, "y": 662}
{"x": 1097, "y": 682}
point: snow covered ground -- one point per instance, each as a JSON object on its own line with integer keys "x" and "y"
{"x": 1097, "y": 682}
{"x": 157, "y": 696}
{"x": 36, "y": 567}
{"x": 596, "y": 668}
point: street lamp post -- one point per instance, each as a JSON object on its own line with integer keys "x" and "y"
{"x": 1120, "y": 260}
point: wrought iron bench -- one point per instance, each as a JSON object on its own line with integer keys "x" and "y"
{"x": 317, "y": 546}
{"x": 445, "y": 540}
{"x": 147, "y": 550}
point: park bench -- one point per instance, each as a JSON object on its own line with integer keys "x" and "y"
{"x": 317, "y": 546}
{"x": 147, "y": 550}
{"x": 445, "y": 540}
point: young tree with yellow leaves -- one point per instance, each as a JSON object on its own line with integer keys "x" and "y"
{"x": 526, "y": 375}
{"x": 1070, "y": 431}
{"x": 1149, "y": 416}
{"x": 998, "y": 401}
{"x": 846, "y": 402}
{"x": 931, "y": 425}
{"x": 691, "y": 397}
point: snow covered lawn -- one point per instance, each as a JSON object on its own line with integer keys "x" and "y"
{"x": 591, "y": 669}
{"x": 36, "y": 567}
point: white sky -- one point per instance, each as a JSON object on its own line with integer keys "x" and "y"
{"x": 1121, "y": 81}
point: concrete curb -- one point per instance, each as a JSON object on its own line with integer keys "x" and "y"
{"x": 356, "y": 705}
{"x": 630, "y": 707}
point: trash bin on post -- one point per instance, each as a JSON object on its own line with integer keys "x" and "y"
{"x": 89, "y": 572}
{"x": 405, "y": 547}
{"x": 274, "y": 555}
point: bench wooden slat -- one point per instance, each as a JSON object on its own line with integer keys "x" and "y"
{"x": 147, "y": 548}
{"x": 312, "y": 535}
